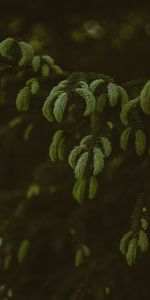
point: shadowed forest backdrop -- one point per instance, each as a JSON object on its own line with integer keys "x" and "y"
{"x": 52, "y": 246}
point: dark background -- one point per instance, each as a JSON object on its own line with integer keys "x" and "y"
{"x": 120, "y": 49}
{"x": 61, "y": 18}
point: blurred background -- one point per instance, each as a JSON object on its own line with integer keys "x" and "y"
{"x": 112, "y": 37}
{"x": 36, "y": 203}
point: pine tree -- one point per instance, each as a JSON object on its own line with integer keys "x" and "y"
{"x": 74, "y": 168}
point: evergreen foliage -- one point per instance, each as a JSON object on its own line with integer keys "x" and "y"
{"x": 94, "y": 125}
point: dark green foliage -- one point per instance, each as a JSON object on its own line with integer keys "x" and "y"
{"x": 74, "y": 163}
